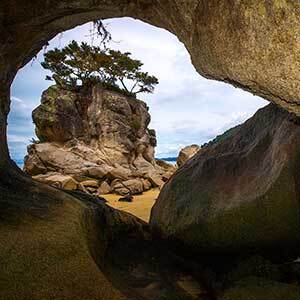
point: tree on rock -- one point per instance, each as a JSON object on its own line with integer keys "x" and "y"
{"x": 83, "y": 65}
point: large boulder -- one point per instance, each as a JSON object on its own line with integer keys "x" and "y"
{"x": 240, "y": 192}
{"x": 186, "y": 153}
{"x": 94, "y": 134}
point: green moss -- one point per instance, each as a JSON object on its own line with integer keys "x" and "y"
{"x": 136, "y": 124}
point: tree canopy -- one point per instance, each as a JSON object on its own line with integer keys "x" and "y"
{"x": 84, "y": 65}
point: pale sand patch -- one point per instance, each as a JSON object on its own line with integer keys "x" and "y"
{"x": 140, "y": 206}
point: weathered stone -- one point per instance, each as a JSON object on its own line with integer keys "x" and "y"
{"x": 146, "y": 184}
{"x": 104, "y": 188}
{"x": 98, "y": 172}
{"x": 240, "y": 192}
{"x": 91, "y": 189}
{"x": 135, "y": 186}
{"x": 107, "y": 137}
{"x": 186, "y": 153}
{"x": 155, "y": 180}
{"x": 166, "y": 176}
{"x": 90, "y": 183}
{"x": 120, "y": 189}
{"x": 119, "y": 172}
{"x": 167, "y": 167}
{"x": 34, "y": 165}
{"x": 58, "y": 180}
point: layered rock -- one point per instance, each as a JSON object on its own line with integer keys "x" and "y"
{"x": 186, "y": 153}
{"x": 99, "y": 138}
{"x": 239, "y": 192}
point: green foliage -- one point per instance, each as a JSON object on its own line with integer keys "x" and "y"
{"x": 84, "y": 65}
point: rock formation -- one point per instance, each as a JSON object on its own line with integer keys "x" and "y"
{"x": 186, "y": 153}
{"x": 250, "y": 44}
{"x": 239, "y": 193}
{"x": 96, "y": 141}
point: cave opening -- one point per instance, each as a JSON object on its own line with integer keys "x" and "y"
{"x": 185, "y": 109}
{"x": 57, "y": 245}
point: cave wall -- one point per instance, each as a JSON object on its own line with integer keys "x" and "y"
{"x": 253, "y": 44}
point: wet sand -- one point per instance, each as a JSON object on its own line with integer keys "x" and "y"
{"x": 140, "y": 206}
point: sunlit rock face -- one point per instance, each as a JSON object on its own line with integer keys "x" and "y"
{"x": 186, "y": 153}
{"x": 241, "y": 192}
{"x": 98, "y": 137}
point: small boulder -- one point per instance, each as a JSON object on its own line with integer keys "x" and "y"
{"x": 146, "y": 184}
{"x": 90, "y": 183}
{"x": 186, "y": 153}
{"x": 104, "y": 188}
{"x": 135, "y": 186}
{"x": 127, "y": 198}
{"x": 155, "y": 180}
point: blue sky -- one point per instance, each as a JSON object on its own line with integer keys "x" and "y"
{"x": 185, "y": 107}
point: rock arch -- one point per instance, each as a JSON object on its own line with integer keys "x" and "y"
{"x": 253, "y": 45}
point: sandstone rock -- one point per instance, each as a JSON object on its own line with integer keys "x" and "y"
{"x": 186, "y": 153}
{"x": 167, "y": 167}
{"x": 57, "y": 180}
{"x": 119, "y": 172}
{"x": 120, "y": 189}
{"x": 155, "y": 180}
{"x": 90, "y": 183}
{"x": 135, "y": 186}
{"x": 106, "y": 138}
{"x": 239, "y": 193}
{"x": 34, "y": 165}
{"x": 166, "y": 176}
{"x": 146, "y": 184}
{"x": 104, "y": 188}
{"x": 98, "y": 172}
{"x": 91, "y": 189}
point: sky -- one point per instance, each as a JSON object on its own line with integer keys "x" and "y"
{"x": 185, "y": 108}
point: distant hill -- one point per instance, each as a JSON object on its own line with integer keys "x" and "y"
{"x": 168, "y": 158}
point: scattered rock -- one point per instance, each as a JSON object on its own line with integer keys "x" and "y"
{"x": 127, "y": 198}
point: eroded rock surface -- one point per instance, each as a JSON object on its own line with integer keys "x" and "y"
{"x": 240, "y": 192}
{"x": 186, "y": 153}
{"x": 99, "y": 138}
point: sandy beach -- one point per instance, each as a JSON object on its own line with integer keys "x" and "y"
{"x": 140, "y": 206}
